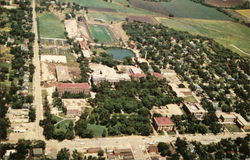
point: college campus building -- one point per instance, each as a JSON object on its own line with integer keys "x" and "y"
{"x": 233, "y": 118}
{"x": 74, "y": 107}
{"x": 196, "y": 109}
{"x": 73, "y": 88}
{"x": 163, "y": 124}
{"x": 62, "y": 73}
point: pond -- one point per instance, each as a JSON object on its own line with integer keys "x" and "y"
{"x": 120, "y": 53}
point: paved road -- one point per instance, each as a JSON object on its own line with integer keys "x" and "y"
{"x": 137, "y": 143}
{"x": 37, "y": 79}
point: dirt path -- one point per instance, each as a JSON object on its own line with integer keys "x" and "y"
{"x": 232, "y": 45}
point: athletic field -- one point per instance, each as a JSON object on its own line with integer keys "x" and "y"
{"x": 100, "y": 33}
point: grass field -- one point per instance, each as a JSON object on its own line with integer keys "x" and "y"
{"x": 190, "y": 99}
{"x": 189, "y": 9}
{"x": 62, "y": 126}
{"x": 50, "y": 26}
{"x": 232, "y": 128}
{"x": 118, "y": 6}
{"x": 244, "y": 12}
{"x": 100, "y": 33}
{"x": 107, "y": 17}
{"x": 224, "y": 32}
{"x": 97, "y": 130}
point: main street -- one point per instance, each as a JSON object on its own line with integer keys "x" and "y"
{"x": 136, "y": 143}
{"x": 37, "y": 79}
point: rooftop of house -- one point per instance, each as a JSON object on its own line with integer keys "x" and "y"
{"x": 163, "y": 121}
{"x": 73, "y": 85}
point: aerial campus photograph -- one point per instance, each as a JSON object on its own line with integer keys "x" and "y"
{"x": 124, "y": 79}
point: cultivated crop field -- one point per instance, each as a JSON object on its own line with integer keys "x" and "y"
{"x": 244, "y": 12}
{"x": 223, "y": 3}
{"x": 107, "y": 17}
{"x": 100, "y": 33}
{"x": 50, "y": 26}
{"x": 230, "y": 33}
{"x": 119, "y": 7}
{"x": 189, "y": 9}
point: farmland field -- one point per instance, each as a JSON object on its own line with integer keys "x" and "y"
{"x": 108, "y": 17}
{"x": 244, "y": 12}
{"x": 230, "y": 33}
{"x": 100, "y": 33}
{"x": 50, "y": 26}
{"x": 119, "y": 7}
{"x": 189, "y": 9}
{"x": 227, "y": 3}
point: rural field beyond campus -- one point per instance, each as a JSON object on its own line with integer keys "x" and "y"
{"x": 224, "y": 32}
{"x": 50, "y": 26}
{"x": 189, "y": 9}
{"x": 244, "y": 12}
{"x": 100, "y": 33}
{"x": 117, "y": 6}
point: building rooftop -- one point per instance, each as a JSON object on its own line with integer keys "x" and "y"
{"x": 73, "y": 85}
{"x": 163, "y": 121}
{"x": 157, "y": 75}
{"x": 241, "y": 120}
{"x": 138, "y": 75}
{"x": 194, "y": 107}
{"x": 83, "y": 44}
{"x": 62, "y": 73}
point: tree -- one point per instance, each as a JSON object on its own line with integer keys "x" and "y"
{"x": 100, "y": 153}
{"x": 77, "y": 155}
{"x": 32, "y": 114}
{"x": 163, "y": 148}
{"x": 63, "y": 154}
{"x": 4, "y": 125}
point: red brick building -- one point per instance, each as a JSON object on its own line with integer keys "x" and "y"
{"x": 157, "y": 75}
{"x": 163, "y": 123}
{"x": 73, "y": 88}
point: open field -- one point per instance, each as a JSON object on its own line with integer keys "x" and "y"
{"x": 107, "y": 17}
{"x": 145, "y": 19}
{"x": 62, "y": 126}
{"x": 100, "y": 33}
{"x": 97, "y": 130}
{"x": 232, "y": 128}
{"x": 190, "y": 99}
{"x": 231, "y": 32}
{"x": 223, "y": 3}
{"x": 50, "y": 26}
{"x": 119, "y": 7}
{"x": 244, "y": 12}
{"x": 189, "y": 9}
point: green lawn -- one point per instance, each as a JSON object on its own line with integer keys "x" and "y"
{"x": 189, "y": 9}
{"x": 224, "y": 32}
{"x": 56, "y": 119}
{"x": 97, "y": 129}
{"x": 190, "y": 99}
{"x": 232, "y": 128}
{"x": 108, "y": 17}
{"x": 100, "y": 33}
{"x": 62, "y": 126}
{"x": 50, "y": 26}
